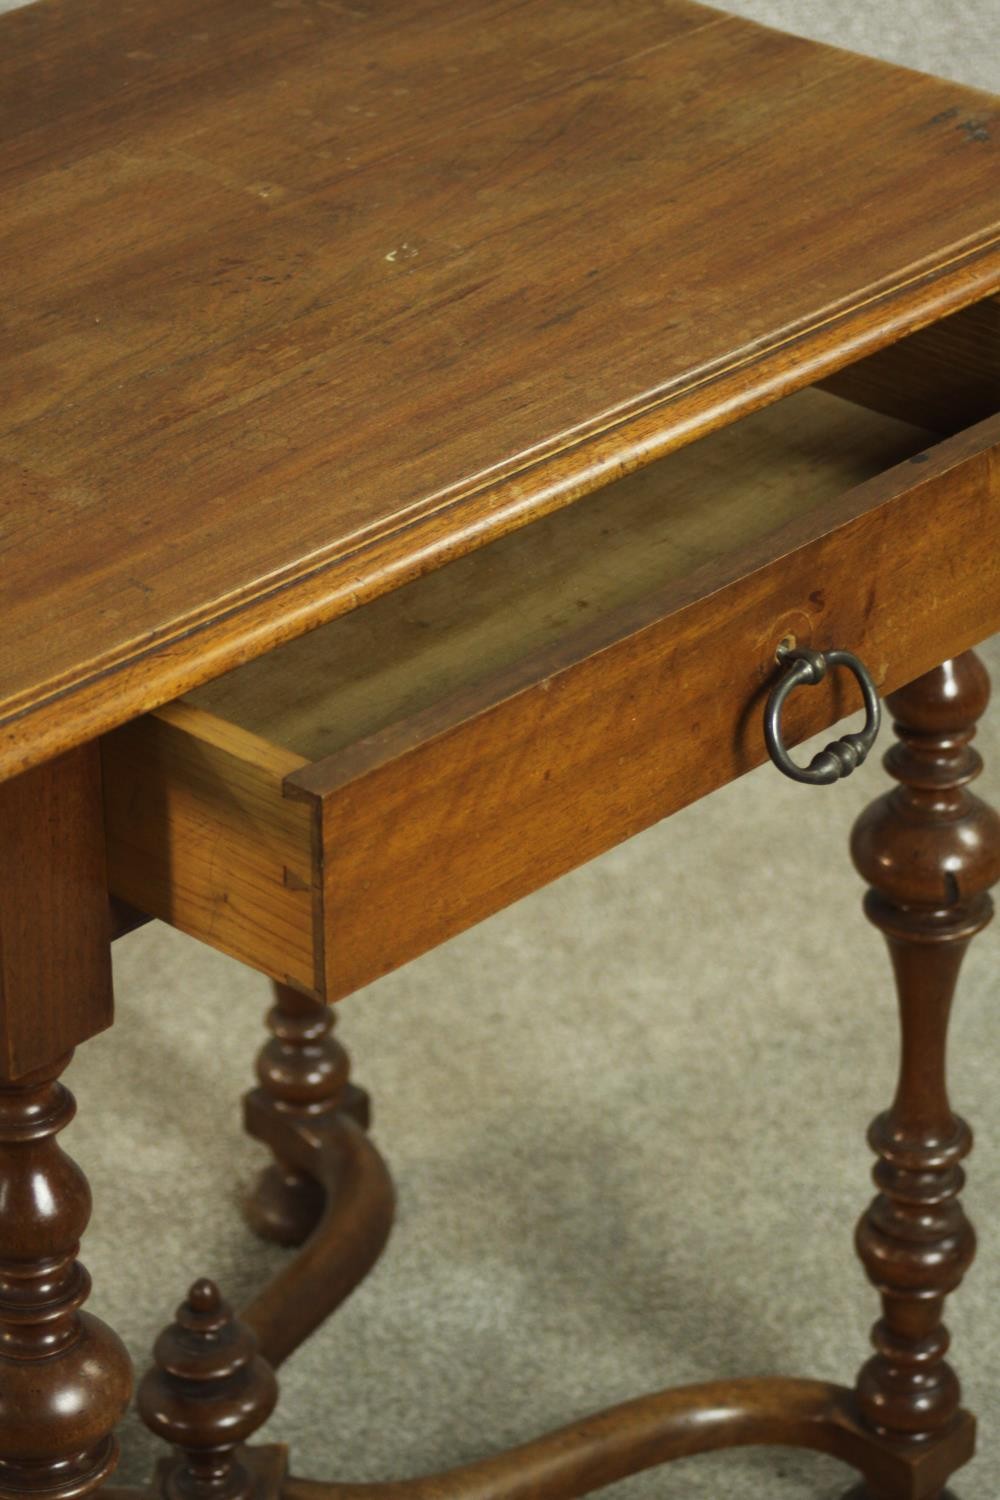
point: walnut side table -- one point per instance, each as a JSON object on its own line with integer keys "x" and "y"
{"x": 423, "y": 427}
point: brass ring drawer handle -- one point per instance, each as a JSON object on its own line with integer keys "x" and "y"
{"x": 806, "y": 667}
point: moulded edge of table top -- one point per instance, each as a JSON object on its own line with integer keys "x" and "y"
{"x": 200, "y": 649}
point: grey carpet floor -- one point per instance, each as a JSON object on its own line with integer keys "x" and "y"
{"x": 953, "y": 38}
{"x": 626, "y": 1117}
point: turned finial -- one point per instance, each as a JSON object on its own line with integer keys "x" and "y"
{"x": 207, "y": 1392}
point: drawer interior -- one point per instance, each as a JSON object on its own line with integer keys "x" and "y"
{"x": 468, "y": 621}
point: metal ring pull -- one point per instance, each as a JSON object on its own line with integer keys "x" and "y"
{"x": 842, "y": 756}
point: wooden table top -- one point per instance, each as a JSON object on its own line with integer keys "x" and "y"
{"x": 302, "y": 297}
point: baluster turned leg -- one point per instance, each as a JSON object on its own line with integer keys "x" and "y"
{"x": 65, "y": 1378}
{"x": 930, "y": 850}
{"x": 305, "y": 1073}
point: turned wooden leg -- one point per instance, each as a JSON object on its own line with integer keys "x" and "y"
{"x": 305, "y": 1072}
{"x": 65, "y": 1378}
{"x": 930, "y": 850}
{"x": 327, "y": 1190}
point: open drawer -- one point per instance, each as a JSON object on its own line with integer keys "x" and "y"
{"x": 354, "y": 798}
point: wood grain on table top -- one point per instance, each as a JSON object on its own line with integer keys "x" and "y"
{"x": 303, "y": 298}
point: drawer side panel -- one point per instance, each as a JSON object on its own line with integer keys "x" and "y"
{"x": 200, "y": 835}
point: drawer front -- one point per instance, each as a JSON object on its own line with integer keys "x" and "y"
{"x": 408, "y": 837}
